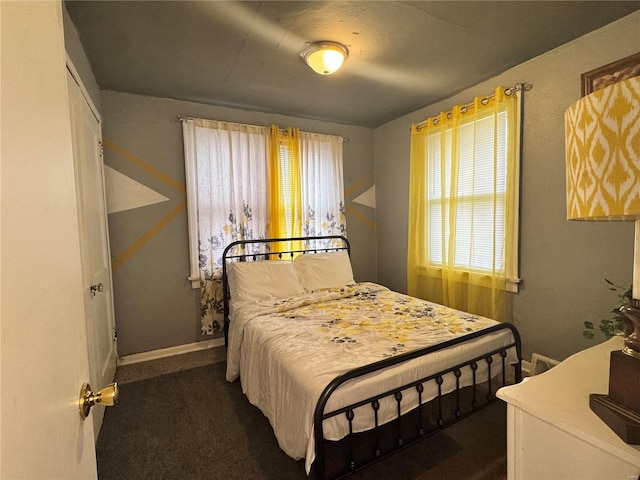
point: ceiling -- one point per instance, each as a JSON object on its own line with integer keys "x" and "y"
{"x": 402, "y": 55}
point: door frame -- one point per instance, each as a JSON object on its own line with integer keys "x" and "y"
{"x": 102, "y": 370}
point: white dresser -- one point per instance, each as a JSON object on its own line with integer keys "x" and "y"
{"x": 553, "y": 434}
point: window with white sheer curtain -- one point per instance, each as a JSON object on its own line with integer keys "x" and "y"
{"x": 230, "y": 194}
{"x": 322, "y": 186}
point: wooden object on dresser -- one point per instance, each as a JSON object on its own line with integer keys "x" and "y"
{"x": 620, "y": 409}
{"x": 553, "y": 434}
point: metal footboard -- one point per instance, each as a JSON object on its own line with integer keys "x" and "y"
{"x": 481, "y": 394}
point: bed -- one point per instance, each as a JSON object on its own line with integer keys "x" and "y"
{"x": 348, "y": 373}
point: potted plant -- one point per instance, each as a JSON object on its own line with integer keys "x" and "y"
{"x": 617, "y": 323}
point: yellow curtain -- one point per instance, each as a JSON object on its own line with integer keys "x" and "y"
{"x": 443, "y": 214}
{"x": 285, "y": 199}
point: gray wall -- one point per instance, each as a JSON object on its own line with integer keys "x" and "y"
{"x": 155, "y": 304}
{"x": 563, "y": 264}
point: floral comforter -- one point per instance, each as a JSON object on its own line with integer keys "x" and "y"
{"x": 286, "y": 351}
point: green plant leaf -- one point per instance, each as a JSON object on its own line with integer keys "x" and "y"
{"x": 611, "y": 326}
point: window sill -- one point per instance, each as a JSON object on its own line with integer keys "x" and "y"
{"x": 513, "y": 284}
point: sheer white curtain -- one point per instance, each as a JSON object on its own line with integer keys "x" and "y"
{"x": 226, "y": 167}
{"x": 322, "y": 184}
{"x": 228, "y": 188}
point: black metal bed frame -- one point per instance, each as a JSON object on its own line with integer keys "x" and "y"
{"x": 421, "y": 428}
{"x": 385, "y": 440}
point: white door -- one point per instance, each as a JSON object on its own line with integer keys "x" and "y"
{"x": 44, "y": 344}
{"x": 94, "y": 244}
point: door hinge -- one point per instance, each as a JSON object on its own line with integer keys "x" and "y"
{"x": 115, "y": 333}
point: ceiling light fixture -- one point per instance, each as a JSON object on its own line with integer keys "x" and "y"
{"x": 325, "y": 57}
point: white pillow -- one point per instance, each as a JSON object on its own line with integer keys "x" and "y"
{"x": 263, "y": 280}
{"x": 323, "y": 270}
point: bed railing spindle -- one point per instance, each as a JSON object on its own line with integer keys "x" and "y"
{"x": 398, "y": 397}
{"x": 490, "y": 392}
{"x": 376, "y": 406}
{"x": 457, "y": 373}
{"x": 474, "y": 401}
{"x": 421, "y": 429}
{"x": 352, "y": 462}
{"x": 440, "y": 417}
{"x": 503, "y": 356}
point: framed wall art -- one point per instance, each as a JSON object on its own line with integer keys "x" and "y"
{"x": 609, "y": 74}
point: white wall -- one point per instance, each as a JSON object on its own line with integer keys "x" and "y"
{"x": 563, "y": 263}
{"x": 43, "y": 352}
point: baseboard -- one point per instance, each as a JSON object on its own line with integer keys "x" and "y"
{"x": 170, "y": 351}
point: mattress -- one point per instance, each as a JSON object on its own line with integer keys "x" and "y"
{"x": 287, "y": 351}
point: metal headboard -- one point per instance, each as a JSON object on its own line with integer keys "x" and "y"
{"x": 272, "y": 249}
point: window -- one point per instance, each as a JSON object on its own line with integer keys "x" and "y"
{"x": 246, "y": 182}
{"x": 479, "y": 198}
{"x": 285, "y": 180}
{"x": 226, "y": 170}
{"x": 464, "y": 193}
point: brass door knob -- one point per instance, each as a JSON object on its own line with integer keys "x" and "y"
{"x": 108, "y": 397}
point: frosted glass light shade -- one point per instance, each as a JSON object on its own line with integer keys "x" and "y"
{"x": 325, "y": 57}
{"x": 602, "y": 141}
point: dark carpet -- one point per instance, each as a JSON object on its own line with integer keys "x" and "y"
{"x": 195, "y": 425}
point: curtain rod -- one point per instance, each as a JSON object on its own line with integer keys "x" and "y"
{"x": 181, "y": 118}
{"x": 518, "y": 87}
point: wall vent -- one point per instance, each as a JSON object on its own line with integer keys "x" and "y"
{"x": 540, "y": 364}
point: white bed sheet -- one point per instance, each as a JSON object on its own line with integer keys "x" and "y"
{"x": 286, "y": 352}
